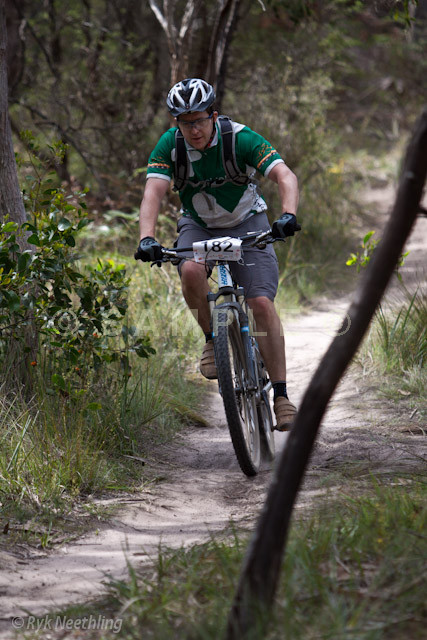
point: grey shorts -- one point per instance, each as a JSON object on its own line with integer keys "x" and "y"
{"x": 259, "y": 275}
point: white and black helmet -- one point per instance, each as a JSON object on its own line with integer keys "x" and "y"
{"x": 192, "y": 94}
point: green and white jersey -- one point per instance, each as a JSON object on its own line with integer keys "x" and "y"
{"x": 220, "y": 206}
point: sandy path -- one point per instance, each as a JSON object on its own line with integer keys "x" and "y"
{"x": 204, "y": 488}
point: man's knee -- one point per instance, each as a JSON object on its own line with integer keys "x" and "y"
{"x": 192, "y": 274}
{"x": 261, "y": 306}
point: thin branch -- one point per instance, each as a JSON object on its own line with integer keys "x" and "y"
{"x": 159, "y": 15}
{"x": 169, "y": 13}
{"x": 36, "y": 38}
{"x": 219, "y": 37}
{"x": 67, "y": 138}
{"x": 186, "y": 19}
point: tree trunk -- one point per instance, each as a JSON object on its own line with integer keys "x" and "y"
{"x": 420, "y": 23}
{"x": 15, "y": 45}
{"x": 222, "y": 35}
{"x": 261, "y": 568}
{"x": 11, "y": 202}
{"x": 180, "y": 38}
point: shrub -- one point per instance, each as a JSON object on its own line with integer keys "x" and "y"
{"x": 53, "y": 310}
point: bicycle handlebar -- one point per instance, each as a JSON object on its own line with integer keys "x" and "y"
{"x": 260, "y": 239}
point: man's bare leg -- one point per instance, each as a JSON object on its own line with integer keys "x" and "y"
{"x": 270, "y": 337}
{"x": 272, "y": 347}
{"x": 195, "y": 289}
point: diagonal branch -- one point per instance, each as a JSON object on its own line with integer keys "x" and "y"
{"x": 261, "y": 569}
{"x": 220, "y": 37}
{"x": 187, "y": 19}
{"x": 159, "y": 15}
{"x": 67, "y": 138}
{"x": 38, "y": 40}
{"x": 169, "y": 13}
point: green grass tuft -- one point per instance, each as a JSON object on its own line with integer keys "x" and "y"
{"x": 397, "y": 346}
{"x": 353, "y": 569}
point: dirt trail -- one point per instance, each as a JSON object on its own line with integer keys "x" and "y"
{"x": 204, "y": 490}
{"x": 203, "y": 487}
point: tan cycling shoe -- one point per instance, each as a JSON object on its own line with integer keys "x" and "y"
{"x": 207, "y": 361}
{"x": 285, "y": 413}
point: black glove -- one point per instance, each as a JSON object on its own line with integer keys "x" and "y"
{"x": 285, "y": 226}
{"x": 148, "y": 250}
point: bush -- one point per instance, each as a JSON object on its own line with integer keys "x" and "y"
{"x": 53, "y": 311}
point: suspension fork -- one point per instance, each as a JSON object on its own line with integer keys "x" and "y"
{"x": 234, "y": 300}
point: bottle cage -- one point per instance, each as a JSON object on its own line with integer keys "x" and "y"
{"x": 232, "y": 170}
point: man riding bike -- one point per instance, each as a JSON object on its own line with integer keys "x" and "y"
{"x": 218, "y": 201}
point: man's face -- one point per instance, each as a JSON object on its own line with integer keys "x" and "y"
{"x": 199, "y": 132}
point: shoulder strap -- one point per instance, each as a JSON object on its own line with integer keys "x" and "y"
{"x": 181, "y": 162}
{"x": 232, "y": 169}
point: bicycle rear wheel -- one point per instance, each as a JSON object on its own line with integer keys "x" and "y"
{"x": 265, "y": 417}
{"x": 239, "y": 403}
{"x": 265, "y": 420}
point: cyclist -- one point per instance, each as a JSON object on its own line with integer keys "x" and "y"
{"x": 215, "y": 205}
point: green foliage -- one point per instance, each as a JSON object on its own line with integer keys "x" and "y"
{"x": 362, "y": 258}
{"x": 49, "y": 458}
{"x": 295, "y": 95}
{"x": 81, "y": 400}
{"x": 74, "y": 314}
{"x": 403, "y": 336}
{"x": 70, "y": 406}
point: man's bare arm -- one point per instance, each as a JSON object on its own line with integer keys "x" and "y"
{"x": 287, "y": 182}
{"x": 154, "y": 192}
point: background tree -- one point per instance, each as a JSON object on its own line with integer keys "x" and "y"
{"x": 214, "y": 23}
{"x": 420, "y": 22}
{"x": 92, "y": 77}
{"x": 94, "y": 74}
{"x": 10, "y": 194}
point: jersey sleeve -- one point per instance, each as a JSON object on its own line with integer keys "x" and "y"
{"x": 160, "y": 164}
{"x": 256, "y": 151}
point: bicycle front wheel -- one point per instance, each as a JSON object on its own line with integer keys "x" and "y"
{"x": 239, "y": 403}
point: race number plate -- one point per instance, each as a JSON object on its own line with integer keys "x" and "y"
{"x": 218, "y": 249}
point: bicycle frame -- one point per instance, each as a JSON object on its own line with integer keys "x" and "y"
{"x": 234, "y": 301}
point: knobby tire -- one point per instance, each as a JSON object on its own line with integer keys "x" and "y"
{"x": 265, "y": 421}
{"x": 238, "y": 404}
{"x": 265, "y": 417}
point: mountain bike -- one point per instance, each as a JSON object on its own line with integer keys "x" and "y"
{"x": 242, "y": 377}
